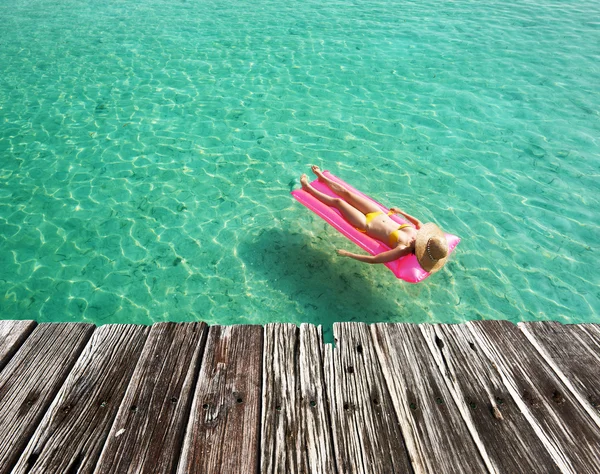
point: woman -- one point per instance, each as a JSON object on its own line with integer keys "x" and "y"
{"x": 426, "y": 241}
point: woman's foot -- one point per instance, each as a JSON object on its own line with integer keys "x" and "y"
{"x": 316, "y": 170}
{"x": 304, "y": 181}
{"x": 335, "y": 187}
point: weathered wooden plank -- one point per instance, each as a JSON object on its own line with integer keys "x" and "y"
{"x": 295, "y": 422}
{"x": 574, "y": 355}
{"x": 280, "y": 438}
{"x": 593, "y": 331}
{"x": 12, "y": 335}
{"x": 147, "y": 433}
{"x": 223, "y": 430}
{"x": 436, "y": 435}
{"x": 366, "y": 434}
{"x": 30, "y": 381}
{"x": 568, "y": 433}
{"x": 72, "y": 433}
{"x": 492, "y": 416}
{"x": 317, "y": 445}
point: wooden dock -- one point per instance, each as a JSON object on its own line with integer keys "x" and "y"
{"x": 388, "y": 398}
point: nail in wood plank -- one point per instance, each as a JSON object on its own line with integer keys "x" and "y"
{"x": 436, "y": 435}
{"x": 30, "y": 381}
{"x": 492, "y": 416}
{"x": 12, "y": 335}
{"x": 222, "y": 433}
{"x": 568, "y": 433}
{"x": 366, "y": 433}
{"x": 147, "y": 433}
{"x": 73, "y": 431}
{"x": 574, "y": 355}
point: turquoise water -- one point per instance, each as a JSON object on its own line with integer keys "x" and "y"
{"x": 148, "y": 148}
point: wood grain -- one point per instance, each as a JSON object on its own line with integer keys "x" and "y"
{"x": 73, "y": 431}
{"x": 496, "y": 424}
{"x": 478, "y": 397}
{"x": 436, "y": 435}
{"x": 560, "y": 421}
{"x": 366, "y": 433}
{"x": 280, "y": 439}
{"x": 223, "y": 430}
{"x": 296, "y": 434}
{"x": 574, "y": 354}
{"x": 12, "y": 335}
{"x": 316, "y": 444}
{"x": 30, "y": 381}
{"x": 592, "y": 330}
{"x": 147, "y": 434}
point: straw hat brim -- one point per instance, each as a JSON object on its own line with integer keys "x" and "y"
{"x": 426, "y": 232}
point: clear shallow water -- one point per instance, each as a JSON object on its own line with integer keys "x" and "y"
{"x": 147, "y": 152}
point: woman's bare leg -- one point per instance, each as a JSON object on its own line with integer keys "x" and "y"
{"x": 351, "y": 214}
{"x": 362, "y": 204}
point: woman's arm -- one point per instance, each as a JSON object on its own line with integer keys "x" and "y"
{"x": 383, "y": 257}
{"x": 416, "y": 222}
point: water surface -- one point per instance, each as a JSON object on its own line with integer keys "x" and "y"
{"x": 147, "y": 152}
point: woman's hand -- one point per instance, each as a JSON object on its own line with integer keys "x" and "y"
{"x": 413, "y": 220}
{"x": 343, "y": 253}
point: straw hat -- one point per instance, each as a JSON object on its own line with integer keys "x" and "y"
{"x": 431, "y": 247}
